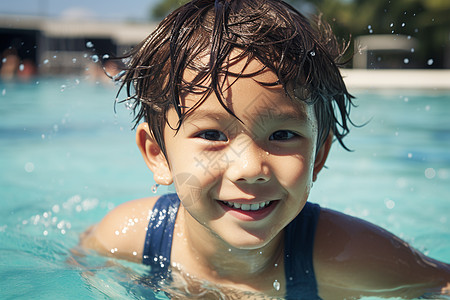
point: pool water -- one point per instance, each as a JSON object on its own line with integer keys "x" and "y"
{"x": 67, "y": 158}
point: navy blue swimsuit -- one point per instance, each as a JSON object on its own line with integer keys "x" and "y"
{"x": 298, "y": 249}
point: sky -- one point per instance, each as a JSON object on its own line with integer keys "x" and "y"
{"x": 137, "y": 10}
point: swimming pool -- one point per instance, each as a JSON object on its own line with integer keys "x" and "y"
{"x": 67, "y": 158}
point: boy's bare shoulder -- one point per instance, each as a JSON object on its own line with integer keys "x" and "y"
{"x": 353, "y": 257}
{"x": 121, "y": 233}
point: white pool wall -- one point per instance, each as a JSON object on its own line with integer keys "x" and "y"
{"x": 396, "y": 79}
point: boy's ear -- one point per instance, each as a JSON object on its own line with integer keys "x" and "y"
{"x": 153, "y": 155}
{"x": 322, "y": 155}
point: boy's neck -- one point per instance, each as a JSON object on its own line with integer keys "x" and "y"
{"x": 206, "y": 255}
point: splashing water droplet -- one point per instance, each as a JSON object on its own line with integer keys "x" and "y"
{"x": 276, "y": 285}
{"x": 403, "y": 24}
{"x": 4, "y": 60}
{"x": 3, "y": 92}
{"x": 74, "y": 60}
{"x": 413, "y": 50}
{"x": 406, "y": 60}
{"x": 430, "y": 173}
{"x": 89, "y": 44}
{"x": 312, "y": 53}
{"x": 95, "y": 58}
{"x": 45, "y": 61}
{"x": 106, "y": 56}
{"x": 21, "y": 67}
{"x": 392, "y": 25}
{"x": 155, "y": 188}
{"x": 430, "y": 62}
{"x": 369, "y": 27}
{"x": 63, "y": 87}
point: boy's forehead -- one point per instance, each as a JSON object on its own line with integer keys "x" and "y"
{"x": 246, "y": 96}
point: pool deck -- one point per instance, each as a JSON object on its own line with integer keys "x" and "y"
{"x": 357, "y": 79}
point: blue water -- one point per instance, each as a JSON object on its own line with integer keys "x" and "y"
{"x": 67, "y": 158}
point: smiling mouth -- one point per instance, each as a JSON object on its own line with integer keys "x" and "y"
{"x": 247, "y": 207}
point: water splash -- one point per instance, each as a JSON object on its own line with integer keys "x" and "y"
{"x": 276, "y": 285}
{"x": 94, "y": 58}
{"x": 155, "y": 188}
{"x": 89, "y": 44}
{"x": 430, "y": 62}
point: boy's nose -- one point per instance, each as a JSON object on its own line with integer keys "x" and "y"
{"x": 250, "y": 165}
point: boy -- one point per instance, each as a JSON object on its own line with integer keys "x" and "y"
{"x": 241, "y": 101}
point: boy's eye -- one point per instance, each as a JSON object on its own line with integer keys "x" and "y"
{"x": 282, "y": 135}
{"x": 213, "y": 135}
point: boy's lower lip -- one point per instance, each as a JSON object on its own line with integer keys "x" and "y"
{"x": 249, "y": 215}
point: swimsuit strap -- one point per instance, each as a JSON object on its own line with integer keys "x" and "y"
{"x": 158, "y": 239}
{"x": 298, "y": 261}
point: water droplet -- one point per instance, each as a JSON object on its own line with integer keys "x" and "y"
{"x": 370, "y": 31}
{"x": 4, "y": 60}
{"x": 406, "y": 60}
{"x": 276, "y": 285}
{"x": 21, "y": 67}
{"x": 63, "y": 87}
{"x": 3, "y": 92}
{"x": 106, "y": 56}
{"x": 410, "y": 155}
{"x": 390, "y": 204}
{"x": 155, "y": 188}
{"x": 430, "y": 173}
{"x": 94, "y": 58}
{"x": 413, "y": 50}
{"x": 403, "y": 24}
{"x": 392, "y": 25}
{"x": 45, "y": 61}
{"x": 89, "y": 44}
{"x": 29, "y": 167}
{"x": 74, "y": 60}
{"x": 312, "y": 53}
{"x": 430, "y": 62}
{"x": 369, "y": 27}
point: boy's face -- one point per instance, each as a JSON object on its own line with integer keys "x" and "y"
{"x": 263, "y": 165}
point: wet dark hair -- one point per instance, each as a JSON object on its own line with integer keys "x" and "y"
{"x": 304, "y": 55}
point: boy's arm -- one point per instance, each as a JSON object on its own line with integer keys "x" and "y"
{"x": 121, "y": 233}
{"x": 353, "y": 258}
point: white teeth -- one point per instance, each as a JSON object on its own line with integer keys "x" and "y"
{"x": 254, "y": 206}
{"x": 245, "y": 206}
